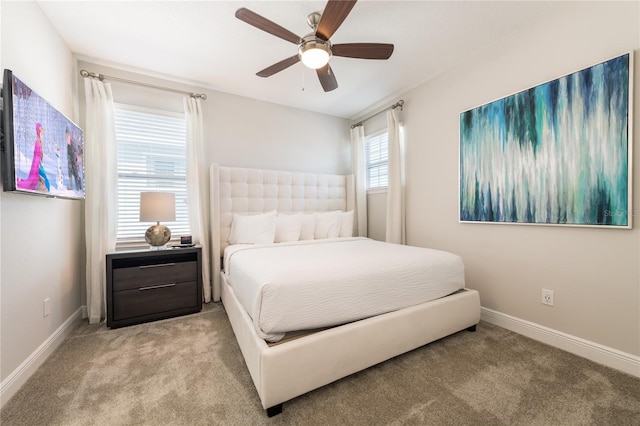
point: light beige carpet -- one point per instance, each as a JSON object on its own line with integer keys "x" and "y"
{"x": 189, "y": 371}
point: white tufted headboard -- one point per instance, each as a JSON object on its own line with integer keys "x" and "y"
{"x": 240, "y": 190}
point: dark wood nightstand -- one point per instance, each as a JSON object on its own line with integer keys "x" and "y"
{"x": 148, "y": 285}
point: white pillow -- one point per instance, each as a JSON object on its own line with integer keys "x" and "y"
{"x": 288, "y": 227}
{"x": 327, "y": 225}
{"x": 253, "y": 229}
{"x": 346, "y": 224}
{"x": 308, "y": 226}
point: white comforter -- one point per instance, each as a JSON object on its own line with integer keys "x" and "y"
{"x": 320, "y": 283}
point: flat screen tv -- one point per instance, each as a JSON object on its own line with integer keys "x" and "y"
{"x": 42, "y": 150}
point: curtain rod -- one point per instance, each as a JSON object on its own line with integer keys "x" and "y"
{"x": 400, "y": 104}
{"x": 102, "y": 77}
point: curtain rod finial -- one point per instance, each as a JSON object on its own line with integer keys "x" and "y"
{"x": 87, "y": 74}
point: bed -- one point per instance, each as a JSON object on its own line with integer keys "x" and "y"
{"x": 330, "y": 351}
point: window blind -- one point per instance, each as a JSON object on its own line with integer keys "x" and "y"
{"x": 377, "y": 160}
{"x": 151, "y": 157}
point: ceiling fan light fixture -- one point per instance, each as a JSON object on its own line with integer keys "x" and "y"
{"x": 315, "y": 53}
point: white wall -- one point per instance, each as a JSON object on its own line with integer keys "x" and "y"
{"x": 595, "y": 273}
{"x": 41, "y": 238}
{"x": 245, "y": 132}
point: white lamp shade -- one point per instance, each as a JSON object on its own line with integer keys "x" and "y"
{"x": 315, "y": 58}
{"x": 157, "y": 207}
{"x": 314, "y": 52}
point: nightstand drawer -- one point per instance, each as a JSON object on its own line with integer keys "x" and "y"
{"x": 154, "y": 274}
{"x": 155, "y": 298}
{"x": 148, "y": 285}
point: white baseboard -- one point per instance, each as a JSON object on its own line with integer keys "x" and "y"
{"x": 601, "y": 354}
{"x": 19, "y": 376}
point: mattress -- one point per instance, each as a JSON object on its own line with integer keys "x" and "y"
{"x": 322, "y": 283}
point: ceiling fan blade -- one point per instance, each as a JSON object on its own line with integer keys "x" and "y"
{"x": 264, "y": 24}
{"x": 363, "y": 50}
{"x": 277, "y": 67}
{"x": 327, "y": 78}
{"x": 333, "y": 15}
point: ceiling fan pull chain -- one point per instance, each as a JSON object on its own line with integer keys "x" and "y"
{"x": 302, "y": 68}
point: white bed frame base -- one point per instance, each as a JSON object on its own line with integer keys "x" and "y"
{"x": 287, "y": 370}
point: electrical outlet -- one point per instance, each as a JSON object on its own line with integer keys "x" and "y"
{"x": 547, "y": 297}
{"x": 45, "y": 306}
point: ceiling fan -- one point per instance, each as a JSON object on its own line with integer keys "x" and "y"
{"x": 315, "y": 49}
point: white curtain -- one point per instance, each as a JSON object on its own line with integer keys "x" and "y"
{"x": 358, "y": 169}
{"x": 395, "y": 231}
{"x": 100, "y": 191}
{"x": 196, "y": 188}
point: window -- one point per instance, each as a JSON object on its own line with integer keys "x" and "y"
{"x": 152, "y": 154}
{"x": 376, "y": 148}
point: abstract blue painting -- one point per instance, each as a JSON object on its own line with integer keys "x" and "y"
{"x": 557, "y": 153}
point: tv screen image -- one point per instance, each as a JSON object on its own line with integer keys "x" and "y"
{"x": 43, "y": 149}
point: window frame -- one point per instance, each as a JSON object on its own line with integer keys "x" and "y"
{"x": 178, "y": 227}
{"x": 367, "y": 139}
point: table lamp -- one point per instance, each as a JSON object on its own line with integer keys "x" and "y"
{"x": 156, "y": 207}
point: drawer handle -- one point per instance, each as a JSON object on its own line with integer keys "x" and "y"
{"x": 157, "y": 266}
{"x": 153, "y": 287}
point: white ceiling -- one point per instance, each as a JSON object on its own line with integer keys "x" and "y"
{"x": 202, "y": 42}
